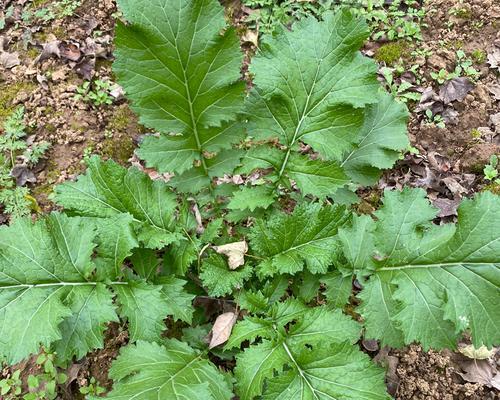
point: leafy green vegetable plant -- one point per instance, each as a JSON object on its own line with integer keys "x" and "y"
{"x": 278, "y": 252}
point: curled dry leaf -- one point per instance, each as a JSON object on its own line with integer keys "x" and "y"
{"x": 251, "y": 37}
{"x": 455, "y": 89}
{"x": 222, "y": 328}
{"x": 9, "y": 60}
{"x": 480, "y": 371}
{"x": 481, "y": 353}
{"x": 235, "y": 252}
{"x": 494, "y": 59}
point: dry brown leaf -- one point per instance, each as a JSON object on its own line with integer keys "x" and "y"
{"x": 481, "y": 353}
{"x": 222, "y": 328}
{"x": 9, "y": 60}
{"x": 251, "y": 37}
{"x": 480, "y": 371}
{"x": 235, "y": 252}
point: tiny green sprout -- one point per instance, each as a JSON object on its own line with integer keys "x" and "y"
{"x": 93, "y": 388}
{"x": 442, "y": 76}
{"x": 476, "y": 133}
{"x": 10, "y": 388}
{"x": 490, "y": 170}
{"x": 434, "y": 119}
{"x": 464, "y": 66}
{"x": 97, "y": 92}
{"x": 409, "y": 150}
{"x": 479, "y": 56}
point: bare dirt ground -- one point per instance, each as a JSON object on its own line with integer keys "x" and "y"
{"x": 57, "y": 57}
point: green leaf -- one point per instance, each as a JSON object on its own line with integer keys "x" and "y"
{"x": 219, "y": 279}
{"x": 115, "y": 239}
{"x": 298, "y": 357}
{"x": 249, "y": 329}
{"x": 47, "y": 290}
{"x": 306, "y": 286}
{"x": 316, "y": 177}
{"x": 179, "y": 301}
{"x": 145, "y": 263}
{"x": 180, "y": 65}
{"x": 179, "y": 257}
{"x": 338, "y": 289}
{"x": 381, "y": 140}
{"x": 91, "y": 309}
{"x": 319, "y": 324}
{"x": 256, "y": 364}
{"x": 428, "y": 283}
{"x": 331, "y": 372}
{"x": 306, "y": 237}
{"x": 251, "y": 197}
{"x": 107, "y": 190}
{"x": 170, "y": 371}
{"x": 145, "y": 307}
{"x": 312, "y": 86}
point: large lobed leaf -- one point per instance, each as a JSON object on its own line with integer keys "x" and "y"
{"x": 180, "y": 65}
{"x": 314, "y": 359}
{"x": 109, "y": 190}
{"x": 312, "y": 85}
{"x": 428, "y": 283}
{"x": 52, "y": 292}
{"x": 170, "y": 371}
{"x": 307, "y": 237}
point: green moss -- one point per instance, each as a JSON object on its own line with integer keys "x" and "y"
{"x": 38, "y": 3}
{"x": 32, "y": 53}
{"x": 463, "y": 12}
{"x": 121, "y": 119}
{"x": 119, "y": 149}
{"x": 493, "y": 187}
{"x": 479, "y": 56}
{"x": 475, "y": 133}
{"x": 7, "y": 95}
{"x": 390, "y": 52}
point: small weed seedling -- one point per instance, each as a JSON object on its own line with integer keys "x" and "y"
{"x": 97, "y": 93}
{"x": 443, "y": 75}
{"x": 402, "y": 91}
{"x": 92, "y": 389}
{"x": 464, "y": 66}
{"x": 435, "y": 119}
{"x": 10, "y": 388}
{"x": 491, "y": 170}
{"x": 16, "y": 200}
{"x": 44, "y": 386}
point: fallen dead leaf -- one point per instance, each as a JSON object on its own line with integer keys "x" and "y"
{"x": 9, "y": 60}
{"x": 222, "y": 328}
{"x": 251, "y": 37}
{"x": 494, "y": 59}
{"x": 70, "y": 51}
{"x": 454, "y": 186}
{"x": 495, "y": 91}
{"x": 446, "y": 207}
{"x": 235, "y": 252}
{"x": 455, "y": 89}
{"x": 391, "y": 364}
{"x": 480, "y": 371}
{"x": 22, "y": 175}
{"x": 49, "y": 49}
{"x": 481, "y": 353}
